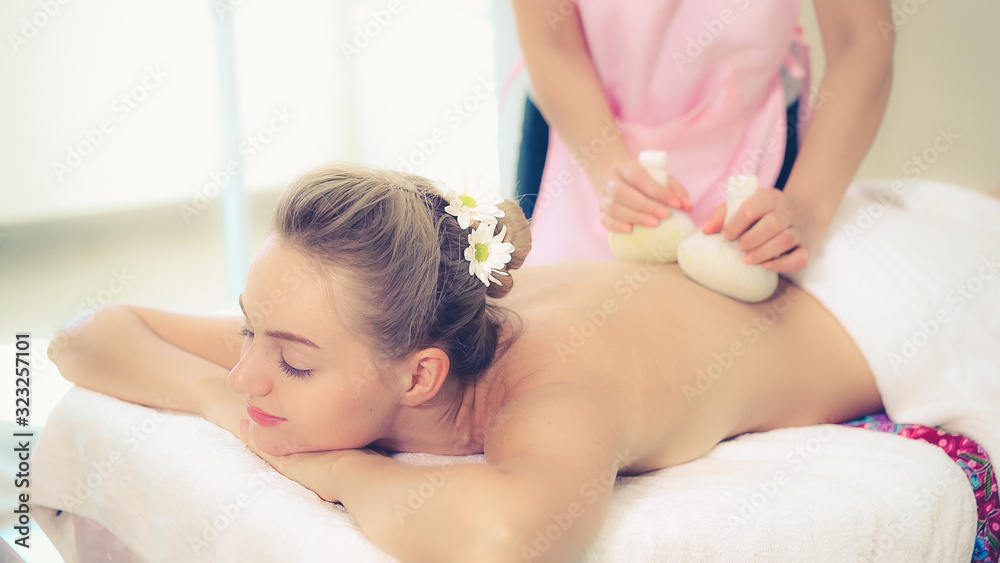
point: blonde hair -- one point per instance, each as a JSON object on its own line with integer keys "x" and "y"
{"x": 386, "y": 236}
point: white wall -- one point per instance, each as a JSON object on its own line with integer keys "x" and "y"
{"x": 947, "y": 76}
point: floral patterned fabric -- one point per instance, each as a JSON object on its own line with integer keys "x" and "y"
{"x": 973, "y": 460}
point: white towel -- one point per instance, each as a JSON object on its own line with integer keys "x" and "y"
{"x": 912, "y": 271}
{"x": 176, "y": 488}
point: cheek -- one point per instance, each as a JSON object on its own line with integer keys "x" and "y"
{"x": 330, "y": 419}
{"x": 364, "y": 382}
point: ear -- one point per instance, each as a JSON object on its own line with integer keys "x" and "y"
{"x": 428, "y": 369}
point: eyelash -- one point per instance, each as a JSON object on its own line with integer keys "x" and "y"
{"x": 292, "y": 372}
{"x": 289, "y": 370}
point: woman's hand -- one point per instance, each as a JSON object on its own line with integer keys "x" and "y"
{"x": 312, "y": 470}
{"x": 774, "y": 228}
{"x": 630, "y": 196}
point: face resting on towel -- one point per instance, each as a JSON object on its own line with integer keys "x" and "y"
{"x": 381, "y": 311}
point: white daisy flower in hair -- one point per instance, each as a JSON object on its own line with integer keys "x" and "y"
{"x": 488, "y": 253}
{"x": 478, "y": 202}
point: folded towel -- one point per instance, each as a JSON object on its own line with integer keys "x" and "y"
{"x": 176, "y": 488}
{"x": 912, "y": 271}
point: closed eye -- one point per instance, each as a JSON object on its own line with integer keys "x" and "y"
{"x": 294, "y": 372}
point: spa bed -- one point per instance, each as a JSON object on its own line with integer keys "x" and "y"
{"x": 173, "y": 487}
{"x": 122, "y": 482}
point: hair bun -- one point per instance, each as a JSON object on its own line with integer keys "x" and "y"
{"x": 386, "y": 238}
{"x": 519, "y": 235}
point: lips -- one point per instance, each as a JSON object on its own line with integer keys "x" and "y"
{"x": 262, "y": 418}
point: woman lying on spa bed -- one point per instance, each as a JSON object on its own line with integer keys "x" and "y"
{"x": 364, "y": 327}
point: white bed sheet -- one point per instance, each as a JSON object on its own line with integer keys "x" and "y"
{"x": 176, "y": 488}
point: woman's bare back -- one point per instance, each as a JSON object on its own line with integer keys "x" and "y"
{"x": 679, "y": 367}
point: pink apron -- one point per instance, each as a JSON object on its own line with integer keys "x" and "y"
{"x": 699, "y": 79}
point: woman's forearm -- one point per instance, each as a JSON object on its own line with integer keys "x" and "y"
{"x": 848, "y": 109}
{"x": 467, "y": 512}
{"x": 115, "y": 352}
{"x": 213, "y": 338}
{"x": 566, "y": 86}
{"x": 570, "y": 98}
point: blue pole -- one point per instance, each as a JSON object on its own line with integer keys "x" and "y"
{"x": 234, "y": 200}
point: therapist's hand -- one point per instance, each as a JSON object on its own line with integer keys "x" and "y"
{"x": 774, "y": 228}
{"x": 628, "y": 196}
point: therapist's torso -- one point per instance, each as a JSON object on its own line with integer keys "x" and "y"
{"x": 698, "y": 79}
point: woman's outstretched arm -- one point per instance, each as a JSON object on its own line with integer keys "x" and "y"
{"x": 552, "y": 454}
{"x": 154, "y": 358}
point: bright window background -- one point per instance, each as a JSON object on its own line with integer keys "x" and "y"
{"x": 359, "y": 79}
{"x": 113, "y": 136}
{"x": 133, "y": 213}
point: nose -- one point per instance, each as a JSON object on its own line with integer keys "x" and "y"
{"x": 249, "y": 376}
